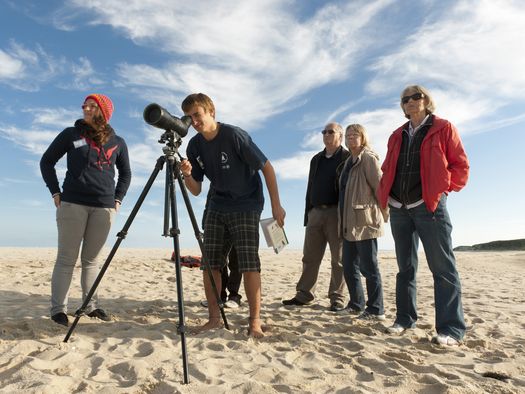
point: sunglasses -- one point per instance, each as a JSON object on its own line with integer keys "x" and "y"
{"x": 415, "y": 97}
{"x": 90, "y": 106}
{"x": 329, "y": 131}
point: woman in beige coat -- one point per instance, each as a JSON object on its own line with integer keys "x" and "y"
{"x": 361, "y": 223}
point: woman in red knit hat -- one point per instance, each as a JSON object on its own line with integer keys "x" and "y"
{"x": 88, "y": 200}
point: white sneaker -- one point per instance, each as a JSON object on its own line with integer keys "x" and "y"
{"x": 231, "y": 304}
{"x": 396, "y": 329}
{"x": 444, "y": 340}
{"x": 204, "y": 303}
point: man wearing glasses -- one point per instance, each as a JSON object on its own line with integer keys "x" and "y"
{"x": 321, "y": 222}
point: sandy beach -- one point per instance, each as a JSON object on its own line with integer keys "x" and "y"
{"x": 306, "y": 350}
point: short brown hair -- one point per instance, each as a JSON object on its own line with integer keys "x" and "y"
{"x": 430, "y": 106}
{"x": 199, "y": 99}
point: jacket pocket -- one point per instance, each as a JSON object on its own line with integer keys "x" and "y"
{"x": 367, "y": 216}
{"x": 363, "y": 215}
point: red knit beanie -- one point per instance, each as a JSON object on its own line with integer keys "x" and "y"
{"x": 104, "y": 103}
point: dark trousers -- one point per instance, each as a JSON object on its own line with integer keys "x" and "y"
{"x": 231, "y": 280}
{"x": 434, "y": 229}
{"x": 360, "y": 257}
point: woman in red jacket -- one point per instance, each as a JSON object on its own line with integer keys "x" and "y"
{"x": 425, "y": 161}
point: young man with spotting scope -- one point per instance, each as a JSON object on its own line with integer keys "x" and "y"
{"x": 228, "y": 157}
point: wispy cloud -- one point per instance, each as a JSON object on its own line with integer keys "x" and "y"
{"x": 27, "y": 68}
{"x": 295, "y": 167}
{"x": 53, "y": 117}
{"x": 224, "y": 47}
{"x": 34, "y": 203}
{"x": 45, "y": 123}
{"x": 32, "y": 140}
{"x": 11, "y": 66}
{"x": 466, "y": 54}
{"x": 254, "y": 66}
{"x": 84, "y": 75}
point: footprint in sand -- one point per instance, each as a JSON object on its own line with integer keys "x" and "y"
{"x": 144, "y": 349}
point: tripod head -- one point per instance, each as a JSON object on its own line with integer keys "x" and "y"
{"x": 172, "y": 141}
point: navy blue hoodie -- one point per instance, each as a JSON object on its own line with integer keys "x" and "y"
{"x": 90, "y": 176}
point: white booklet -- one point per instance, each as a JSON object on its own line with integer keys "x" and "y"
{"x": 274, "y": 234}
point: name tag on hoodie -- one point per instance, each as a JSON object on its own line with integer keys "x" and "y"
{"x": 79, "y": 143}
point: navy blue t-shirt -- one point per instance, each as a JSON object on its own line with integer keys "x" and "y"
{"x": 231, "y": 161}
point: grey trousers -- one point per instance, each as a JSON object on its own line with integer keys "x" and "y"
{"x": 78, "y": 224}
{"x": 320, "y": 230}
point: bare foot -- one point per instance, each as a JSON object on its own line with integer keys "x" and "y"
{"x": 255, "y": 328}
{"x": 213, "y": 322}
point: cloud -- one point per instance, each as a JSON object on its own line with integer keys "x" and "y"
{"x": 27, "y": 68}
{"x": 46, "y": 123}
{"x": 55, "y": 117}
{"x": 84, "y": 75}
{"x": 465, "y": 51}
{"x": 15, "y": 181}
{"x": 295, "y": 167}
{"x": 224, "y": 47}
{"x": 33, "y": 203}
{"x": 379, "y": 125}
{"x": 255, "y": 67}
{"x": 34, "y": 140}
{"x": 11, "y": 66}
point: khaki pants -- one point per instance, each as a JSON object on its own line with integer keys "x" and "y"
{"x": 321, "y": 230}
{"x": 78, "y": 224}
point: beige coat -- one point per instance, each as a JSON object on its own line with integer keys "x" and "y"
{"x": 361, "y": 217}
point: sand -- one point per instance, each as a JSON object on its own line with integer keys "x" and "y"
{"x": 306, "y": 350}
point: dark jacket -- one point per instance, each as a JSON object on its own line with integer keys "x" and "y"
{"x": 341, "y": 155}
{"x": 90, "y": 176}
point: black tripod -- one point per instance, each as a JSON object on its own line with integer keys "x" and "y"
{"x": 172, "y": 141}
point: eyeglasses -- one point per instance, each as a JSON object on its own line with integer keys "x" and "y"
{"x": 353, "y": 135}
{"x": 89, "y": 106}
{"x": 329, "y": 131}
{"x": 415, "y": 97}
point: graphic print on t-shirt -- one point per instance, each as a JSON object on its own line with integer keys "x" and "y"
{"x": 224, "y": 161}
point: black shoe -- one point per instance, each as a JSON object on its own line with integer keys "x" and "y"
{"x": 60, "y": 318}
{"x": 293, "y": 301}
{"x": 99, "y": 314}
{"x": 337, "y": 306}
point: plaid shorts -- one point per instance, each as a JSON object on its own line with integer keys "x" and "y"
{"x": 240, "y": 229}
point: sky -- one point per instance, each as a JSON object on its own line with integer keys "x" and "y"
{"x": 279, "y": 69}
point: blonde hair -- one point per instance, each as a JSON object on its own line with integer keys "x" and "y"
{"x": 359, "y": 129}
{"x": 430, "y": 106}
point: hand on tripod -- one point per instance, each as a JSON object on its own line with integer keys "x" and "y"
{"x": 191, "y": 184}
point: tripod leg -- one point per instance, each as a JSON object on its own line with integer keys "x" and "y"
{"x": 199, "y": 237}
{"x": 120, "y": 236}
{"x": 174, "y": 233}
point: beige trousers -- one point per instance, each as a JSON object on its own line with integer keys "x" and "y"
{"x": 320, "y": 231}
{"x": 78, "y": 225}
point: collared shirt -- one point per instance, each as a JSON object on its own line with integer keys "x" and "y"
{"x": 411, "y": 132}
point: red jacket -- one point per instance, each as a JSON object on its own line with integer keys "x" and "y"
{"x": 444, "y": 163}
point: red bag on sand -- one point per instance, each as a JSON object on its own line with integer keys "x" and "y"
{"x": 188, "y": 261}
